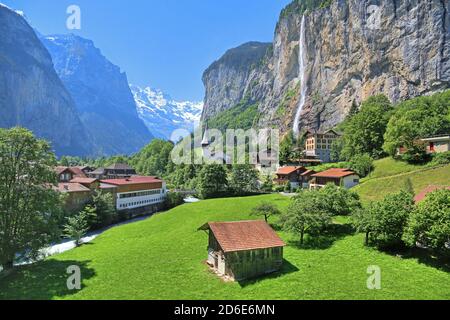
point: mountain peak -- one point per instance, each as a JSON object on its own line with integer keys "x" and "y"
{"x": 162, "y": 114}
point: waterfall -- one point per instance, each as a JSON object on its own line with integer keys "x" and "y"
{"x": 302, "y": 74}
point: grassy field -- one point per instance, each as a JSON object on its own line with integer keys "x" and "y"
{"x": 162, "y": 258}
{"x": 390, "y": 176}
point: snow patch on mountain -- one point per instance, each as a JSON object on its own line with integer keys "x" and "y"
{"x": 163, "y": 115}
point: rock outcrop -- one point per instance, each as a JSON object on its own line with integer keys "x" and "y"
{"x": 101, "y": 93}
{"x": 31, "y": 94}
{"x": 353, "y": 49}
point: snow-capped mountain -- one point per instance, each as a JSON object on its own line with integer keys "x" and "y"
{"x": 162, "y": 114}
{"x": 101, "y": 93}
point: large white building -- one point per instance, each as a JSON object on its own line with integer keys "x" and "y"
{"x": 138, "y": 192}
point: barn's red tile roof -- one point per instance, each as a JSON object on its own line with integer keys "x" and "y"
{"x": 334, "y": 173}
{"x": 132, "y": 180}
{"x": 288, "y": 170}
{"x": 308, "y": 172}
{"x": 60, "y": 169}
{"x": 244, "y": 235}
{"x": 70, "y": 187}
{"x": 77, "y": 172}
{"x": 423, "y": 194}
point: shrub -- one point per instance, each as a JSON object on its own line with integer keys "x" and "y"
{"x": 441, "y": 158}
{"x": 173, "y": 199}
{"x": 429, "y": 224}
{"x": 339, "y": 201}
{"x": 362, "y": 164}
{"x": 385, "y": 220}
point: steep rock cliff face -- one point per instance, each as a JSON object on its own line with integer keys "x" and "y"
{"x": 102, "y": 95}
{"x": 352, "y": 49}
{"x": 227, "y": 79}
{"x": 31, "y": 94}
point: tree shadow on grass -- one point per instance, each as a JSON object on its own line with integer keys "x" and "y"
{"x": 43, "y": 280}
{"x": 287, "y": 268}
{"x": 427, "y": 257}
{"x": 325, "y": 239}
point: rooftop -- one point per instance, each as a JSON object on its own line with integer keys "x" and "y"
{"x": 77, "y": 171}
{"x": 70, "y": 187}
{"x": 443, "y": 137}
{"x": 83, "y": 180}
{"x": 119, "y": 166}
{"x": 288, "y": 170}
{"x": 132, "y": 180}
{"x": 244, "y": 235}
{"x": 335, "y": 173}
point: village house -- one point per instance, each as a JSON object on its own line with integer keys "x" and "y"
{"x": 318, "y": 145}
{"x": 267, "y": 162}
{"x": 297, "y": 177}
{"x": 76, "y": 195}
{"x": 340, "y": 177}
{"x": 244, "y": 249}
{"x": 114, "y": 171}
{"x": 90, "y": 183}
{"x": 138, "y": 194}
{"x": 438, "y": 144}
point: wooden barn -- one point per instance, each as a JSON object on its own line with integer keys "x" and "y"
{"x": 244, "y": 249}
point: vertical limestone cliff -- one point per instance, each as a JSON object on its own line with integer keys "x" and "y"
{"x": 352, "y": 49}
{"x": 31, "y": 94}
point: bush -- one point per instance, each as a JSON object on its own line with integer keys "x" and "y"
{"x": 416, "y": 153}
{"x": 105, "y": 210}
{"x": 441, "y": 158}
{"x": 362, "y": 164}
{"x": 278, "y": 188}
{"x": 429, "y": 224}
{"x": 339, "y": 201}
{"x": 212, "y": 181}
{"x": 173, "y": 199}
{"x": 384, "y": 221}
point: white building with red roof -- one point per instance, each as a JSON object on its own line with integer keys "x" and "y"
{"x": 341, "y": 177}
{"x": 137, "y": 192}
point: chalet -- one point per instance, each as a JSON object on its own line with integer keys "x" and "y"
{"x": 340, "y": 177}
{"x": 115, "y": 171}
{"x": 138, "y": 194}
{"x": 89, "y": 183}
{"x": 425, "y": 192}
{"x": 318, "y": 145}
{"x": 437, "y": 144}
{"x": 267, "y": 162}
{"x": 77, "y": 195}
{"x": 244, "y": 249}
{"x": 65, "y": 174}
{"x": 289, "y": 175}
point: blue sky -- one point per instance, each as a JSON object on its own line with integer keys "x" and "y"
{"x": 167, "y": 43}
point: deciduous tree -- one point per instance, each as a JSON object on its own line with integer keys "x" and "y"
{"x": 266, "y": 209}
{"x": 29, "y": 209}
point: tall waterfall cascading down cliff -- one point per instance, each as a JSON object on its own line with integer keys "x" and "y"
{"x": 302, "y": 75}
{"x": 350, "y": 50}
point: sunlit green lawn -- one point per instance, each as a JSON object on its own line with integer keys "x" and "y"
{"x": 162, "y": 258}
{"x": 377, "y": 188}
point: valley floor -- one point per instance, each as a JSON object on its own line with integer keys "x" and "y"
{"x": 163, "y": 258}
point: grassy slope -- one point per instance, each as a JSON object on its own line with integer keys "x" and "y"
{"x": 161, "y": 258}
{"x": 390, "y": 175}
